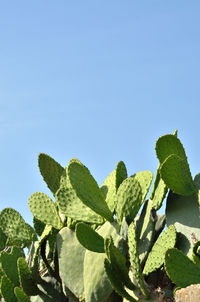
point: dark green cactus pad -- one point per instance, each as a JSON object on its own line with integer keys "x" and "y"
{"x": 71, "y": 257}
{"x": 7, "y": 290}
{"x": 15, "y": 228}
{"x": 26, "y": 278}
{"x": 20, "y": 294}
{"x": 183, "y": 213}
{"x": 115, "y": 282}
{"x": 167, "y": 145}
{"x": 156, "y": 257}
{"x": 111, "y": 184}
{"x": 129, "y": 200}
{"x": 180, "y": 269}
{"x": 145, "y": 179}
{"x": 135, "y": 261}
{"x": 196, "y": 253}
{"x": 3, "y": 239}
{"x": 96, "y": 284}
{"x": 159, "y": 191}
{"x": 39, "y": 226}
{"x": 9, "y": 264}
{"x": 51, "y": 171}
{"x": 88, "y": 190}
{"x": 121, "y": 174}
{"x": 89, "y": 238}
{"x": 176, "y": 174}
{"x": 118, "y": 263}
{"x": 44, "y": 209}
{"x": 70, "y": 205}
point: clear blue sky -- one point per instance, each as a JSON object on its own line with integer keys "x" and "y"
{"x": 96, "y": 80}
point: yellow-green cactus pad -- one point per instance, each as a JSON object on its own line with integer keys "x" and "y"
{"x": 44, "y": 209}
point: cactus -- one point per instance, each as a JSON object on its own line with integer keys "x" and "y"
{"x": 108, "y": 243}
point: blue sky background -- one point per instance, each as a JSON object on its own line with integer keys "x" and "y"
{"x": 96, "y": 80}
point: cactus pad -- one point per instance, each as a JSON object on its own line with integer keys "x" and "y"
{"x": 20, "y": 294}
{"x": 145, "y": 179}
{"x": 9, "y": 264}
{"x": 129, "y": 200}
{"x": 7, "y": 290}
{"x": 51, "y": 171}
{"x": 70, "y": 205}
{"x": 115, "y": 282}
{"x": 71, "y": 257}
{"x": 176, "y": 174}
{"x": 180, "y": 269}
{"x": 90, "y": 239}
{"x": 157, "y": 255}
{"x": 15, "y": 228}
{"x": 88, "y": 190}
{"x": 167, "y": 145}
{"x": 183, "y": 213}
{"x": 43, "y": 208}
{"x": 26, "y": 279}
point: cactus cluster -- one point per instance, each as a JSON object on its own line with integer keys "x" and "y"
{"x": 105, "y": 243}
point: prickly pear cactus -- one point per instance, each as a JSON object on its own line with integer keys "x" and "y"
{"x": 108, "y": 243}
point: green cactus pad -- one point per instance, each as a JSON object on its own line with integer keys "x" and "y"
{"x": 159, "y": 191}
{"x": 156, "y": 257}
{"x": 20, "y": 294}
{"x": 96, "y": 284}
{"x": 111, "y": 184}
{"x": 71, "y": 257}
{"x": 145, "y": 230}
{"x": 88, "y": 238}
{"x": 196, "y": 253}
{"x": 145, "y": 179}
{"x": 39, "y": 226}
{"x": 70, "y": 205}
{"x": 3, "y": 239}
{"x": 44, "y": 209}
{"x": 7, "y": 290}
{"x": 51, "y": 171}
{"x": 167, "y": 145}
{"x": 9, "y": 264}
{"x": 26, "y": 279}
{"x": 183, "y": 212}
{"x": 118, "y": 263}
{"x": 115, "y": 282}
{"x": 180, "y": 269}
{"x": 129, "y": 200}
{"x": 88, "y": 190}
{"x": 176, "y": 174}
{"x": 135, "y": 261}
{"x": 121, "y": 174}
{"x": 15, "y": 228}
